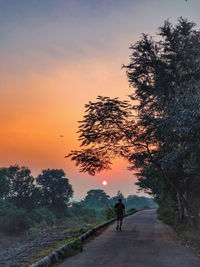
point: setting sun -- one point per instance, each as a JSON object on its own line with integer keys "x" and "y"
{"x": 104, "y": 182}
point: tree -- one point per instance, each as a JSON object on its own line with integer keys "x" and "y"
{"x": 96, "y": 198}
{"x": 160, "y": 131}
{"x": 21, "y": 186}
{"x": 166, "y": 75}
{"x": 55, "y": 188}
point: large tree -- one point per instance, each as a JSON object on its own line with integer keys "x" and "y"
{"x": 158, "y": 131}
{"x": 55, "y": 188}
{"x": 22, "y": 186}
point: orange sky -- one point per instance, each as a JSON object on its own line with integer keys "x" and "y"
{"x": 38, "y": 108}
{"x": 55, "y": 56}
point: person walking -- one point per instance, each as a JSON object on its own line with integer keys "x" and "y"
{"x": 119, "y": 209}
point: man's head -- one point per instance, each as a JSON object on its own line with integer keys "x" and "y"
{"x": 120, "y": 200}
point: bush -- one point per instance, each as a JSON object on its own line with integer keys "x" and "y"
{"x": 32, "y": 233}
{"x": 168, "y": 215}
{"x": 14, "y": 220}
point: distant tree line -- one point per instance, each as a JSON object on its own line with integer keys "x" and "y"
{"x": 103, "y": 204}
{"x": 50, "y": 189}
{"x": 158, "y": 130}
{"x": 97, "y": 198}
{"x": 26, "y": 201}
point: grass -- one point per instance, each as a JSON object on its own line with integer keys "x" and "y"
{"x": 82, "y": 229}
{"x": 74, "y": 248}
{"x": 46, "y": 251}
{"x": 188, "y": 235}
{"x": 32, "y": 233}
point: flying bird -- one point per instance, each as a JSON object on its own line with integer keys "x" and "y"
{"x": 61, "y": 135}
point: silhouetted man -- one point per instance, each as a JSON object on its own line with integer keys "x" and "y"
{"x": 120, "y": 212}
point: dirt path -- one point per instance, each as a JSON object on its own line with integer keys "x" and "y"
{"x": 144, "y": 242}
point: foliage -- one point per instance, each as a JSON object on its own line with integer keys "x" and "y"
{"x": 99, "y": 131}
{"x": 16, "y": 216}
{"x": 166, "y": 76}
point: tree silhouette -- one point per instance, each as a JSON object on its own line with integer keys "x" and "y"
{"x": 160, "y": 128}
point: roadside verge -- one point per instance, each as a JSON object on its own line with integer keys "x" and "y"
{"x": 65, "y": 250}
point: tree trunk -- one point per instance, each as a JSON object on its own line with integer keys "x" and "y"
{"x": 181, "y": 209}
{"x": 183, "y": 201}
{"x": 187, "y": 211}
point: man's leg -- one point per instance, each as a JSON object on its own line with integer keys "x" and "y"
{"x": 117, "y": 228}
{"x": 120, "y": 225}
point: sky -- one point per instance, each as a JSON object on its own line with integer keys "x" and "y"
{"x": 55, "y": 57}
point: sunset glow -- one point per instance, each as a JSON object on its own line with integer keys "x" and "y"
{"x": 55, "y": 57}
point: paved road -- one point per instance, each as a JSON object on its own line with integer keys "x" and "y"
{"x": 144, "y": 242}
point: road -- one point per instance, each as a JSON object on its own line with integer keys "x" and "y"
{"x": 144, "y": 242}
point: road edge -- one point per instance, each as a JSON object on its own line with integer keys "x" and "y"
{"x": 57, "y": 254}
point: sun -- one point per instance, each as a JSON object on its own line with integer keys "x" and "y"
{"x": 104, "y": 182}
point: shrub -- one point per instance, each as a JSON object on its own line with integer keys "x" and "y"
{"x": 80, "y": 211}
{"x": 108, "y": 213}
{"x": 192, "y": 238}
{"x": 169, "y": 213}
{"x": 43, "y": 215}
{"x": 131, "y": 210}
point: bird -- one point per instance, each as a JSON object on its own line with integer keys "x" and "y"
{"x": 61, "y": 135}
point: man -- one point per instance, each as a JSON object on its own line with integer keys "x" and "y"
{"x": 120, "y": 212}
